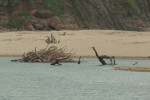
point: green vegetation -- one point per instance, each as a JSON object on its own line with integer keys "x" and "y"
{"x": 128, "y": 4}
{"x": 17, "y": 23}
{"x": 56, "y": 6}
{"x": 13, "y": 1}
{"x": 32, "y": 2}
{"x": 76, "y": 11}
{"x": 27, "y": 16}
{"x": 13, "y": 24}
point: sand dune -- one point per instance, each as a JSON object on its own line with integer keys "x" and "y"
{"x": 125, "y": 44}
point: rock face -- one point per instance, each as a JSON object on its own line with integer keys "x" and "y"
{"x": 77, "y": 14}
{"x": 109, "y": 14}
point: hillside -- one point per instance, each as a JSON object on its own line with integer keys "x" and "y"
{"x": 75, "y": 14}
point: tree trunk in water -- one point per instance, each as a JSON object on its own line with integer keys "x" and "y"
{"x": 99, "y": 57}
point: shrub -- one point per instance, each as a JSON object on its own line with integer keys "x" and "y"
{"x": 128, "y": 4}
{"x": 13, "y": 24}
{"x": 56, "y": 6}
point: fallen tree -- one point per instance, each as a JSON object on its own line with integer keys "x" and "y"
{"x": 56, "y": 62}
{"x": 47, "y": 55}
{"x": 101, "y": 58}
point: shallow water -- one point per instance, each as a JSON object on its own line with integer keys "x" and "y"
{"x": 87, "y": 81}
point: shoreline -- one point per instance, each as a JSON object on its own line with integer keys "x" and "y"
{"x": 133, "y": 68}
{"x": 117, "y": 57}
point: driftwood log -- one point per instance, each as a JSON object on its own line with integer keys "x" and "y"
{"x": 101, "y": 58}
{"x": 58, "y": 60}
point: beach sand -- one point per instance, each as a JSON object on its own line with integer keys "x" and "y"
{"x": 122, "y": 44}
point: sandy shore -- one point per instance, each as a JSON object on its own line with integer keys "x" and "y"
{"x": 134, "y": 68}
{"x": 122, "y": 44}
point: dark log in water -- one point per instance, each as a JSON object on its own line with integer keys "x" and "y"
{"x": 79, "y": 60}
{"x": 56, "y": 62}
{"x": 101, "y": 58}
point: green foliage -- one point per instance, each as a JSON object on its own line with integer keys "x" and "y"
{"x": 13, "y": 24}
{"x": 13, "y": 1}
{"x": 76, "y": 10}
{"x": 128, "y": 4}
{"x": 56, "y": 6}
{"x": 17, "y": 23}
{"x": 27, "y": 15}
{"x": 32, "y": 2}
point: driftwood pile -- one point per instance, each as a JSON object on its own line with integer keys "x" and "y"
{"x": 47, "y": 55}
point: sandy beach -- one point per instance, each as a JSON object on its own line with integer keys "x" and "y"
{"x": 124, "y": 44}
{"x": 113, "y": 43}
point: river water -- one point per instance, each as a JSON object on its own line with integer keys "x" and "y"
{"x": 87, "y": 81}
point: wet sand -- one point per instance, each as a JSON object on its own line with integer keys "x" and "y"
{"x": 134, "y": 68}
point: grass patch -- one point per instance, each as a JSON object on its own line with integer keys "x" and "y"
{"x": 27, "y": 16}
{"x": 13, "y": 1}
{"x": 13, "y": 24}
{"x": 9, "y": 6}
{"x": 55, "y": 6}
{"x": 74, "y": 8}
{"x": 17, "y": 23}
{"x": 32, "y": 2}
{"x": 128, "y": 4}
